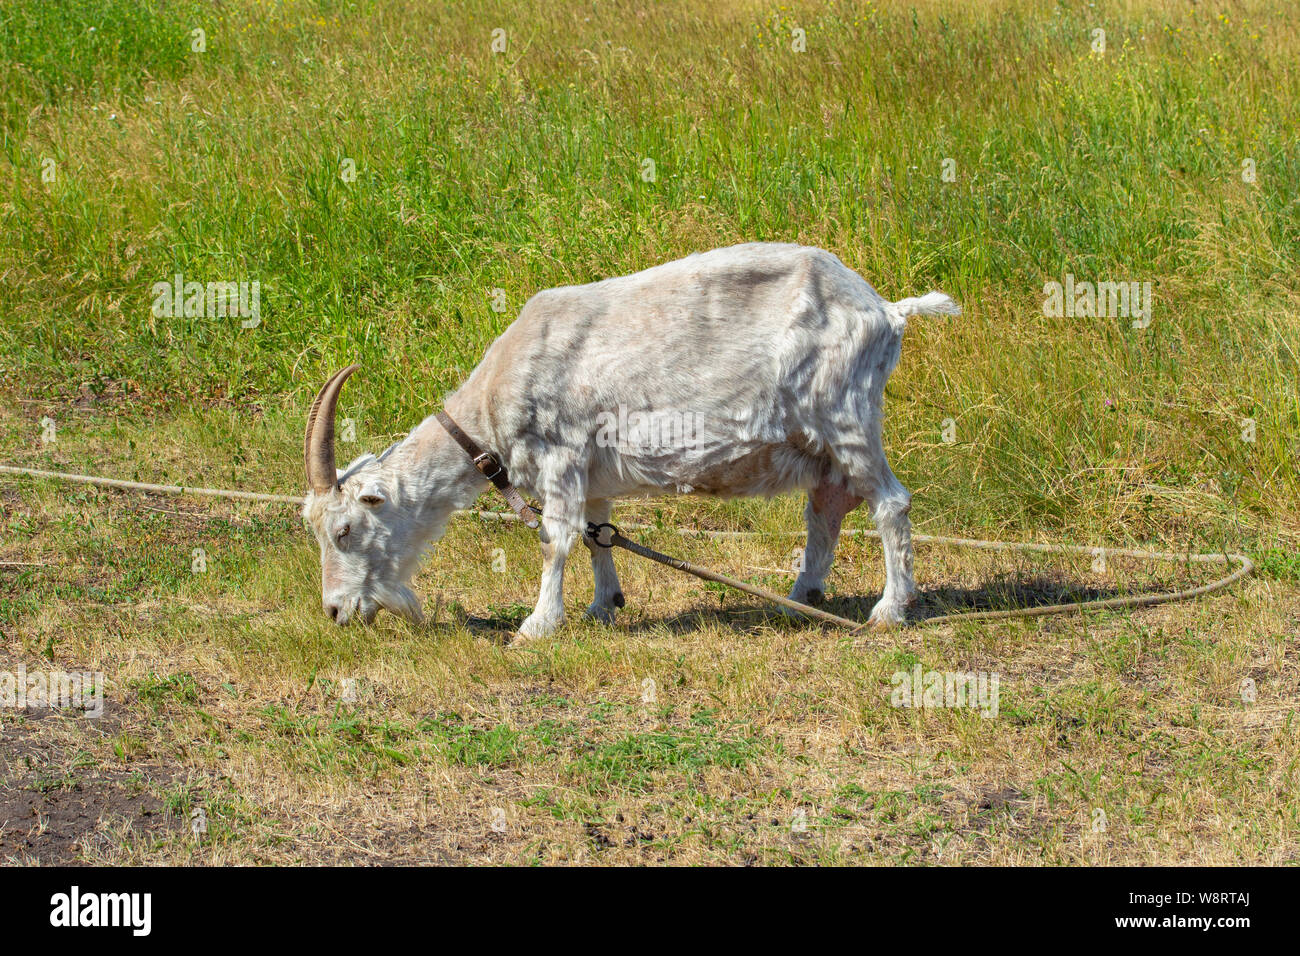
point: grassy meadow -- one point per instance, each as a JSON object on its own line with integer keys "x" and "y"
{"x": 399, "y": 177}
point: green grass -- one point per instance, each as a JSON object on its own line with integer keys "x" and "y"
{"x": 521, "y": 171}
{"x": 478, "y": 172}
{"x": 53, "y": 53}
{"x": 630, "y": 761}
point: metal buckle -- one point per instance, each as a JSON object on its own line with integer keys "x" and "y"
{"x": 481, "y": 460}
{"x": 593, "y": 532}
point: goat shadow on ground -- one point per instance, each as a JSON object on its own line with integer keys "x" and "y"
{"x": 750, "y": 615}
{"x": 999, "y": 594}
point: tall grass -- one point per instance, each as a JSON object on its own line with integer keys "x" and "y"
{"x": 521, "y": 170}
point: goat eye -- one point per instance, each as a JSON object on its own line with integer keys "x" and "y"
{"x": 344, "y": 531}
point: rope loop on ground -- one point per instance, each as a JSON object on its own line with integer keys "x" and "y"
{"x": 1244, "y": 566}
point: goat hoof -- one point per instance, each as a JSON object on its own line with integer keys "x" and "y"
{"x": 812, "y": 596}
{"x": 886, "y": 616}
{"x": 534, "y": 626}
{"x": 601, "y": 613}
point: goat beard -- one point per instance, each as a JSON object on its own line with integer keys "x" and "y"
{"x": 400, "y": 600}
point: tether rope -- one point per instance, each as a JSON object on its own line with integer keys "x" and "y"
{"x": 1244, "y": 565}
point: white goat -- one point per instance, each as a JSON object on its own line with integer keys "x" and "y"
{"x": 764, "y": 363}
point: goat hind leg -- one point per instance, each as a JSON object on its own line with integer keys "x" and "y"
{"x": 890, "y": 505}
{"x": 828, "y": 503}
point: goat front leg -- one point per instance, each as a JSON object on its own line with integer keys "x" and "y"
{"x": 608, "y": 596}
{"x": 557, "y": 541}
{"x": 562, "y": 521}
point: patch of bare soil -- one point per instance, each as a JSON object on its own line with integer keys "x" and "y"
{"x": 58, "y": 805}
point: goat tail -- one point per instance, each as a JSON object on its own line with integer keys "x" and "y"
{"x": 932, "y": 303}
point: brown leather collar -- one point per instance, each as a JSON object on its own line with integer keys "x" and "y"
{"x": 492, "y": 470}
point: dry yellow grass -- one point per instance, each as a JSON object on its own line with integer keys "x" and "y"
{"x": 764, "y": 742}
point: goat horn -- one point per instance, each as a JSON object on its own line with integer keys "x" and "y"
{"x": 322, "y": 475}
